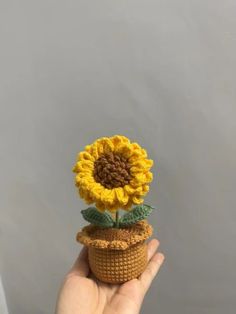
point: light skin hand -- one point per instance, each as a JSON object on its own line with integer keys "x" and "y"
{"x": 82, "y": 293}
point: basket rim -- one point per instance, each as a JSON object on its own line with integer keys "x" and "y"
{"x": 142, "y": 231}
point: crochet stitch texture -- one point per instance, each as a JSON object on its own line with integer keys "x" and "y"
{"x": 116, "y": 255}
{"x": 113, "y": 173}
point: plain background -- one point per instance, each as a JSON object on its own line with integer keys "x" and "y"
{"x": 160, "y": 72}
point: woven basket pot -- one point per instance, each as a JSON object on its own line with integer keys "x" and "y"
{"x": 116, "y": 255}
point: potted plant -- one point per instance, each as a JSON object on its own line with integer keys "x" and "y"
{"x": 114, "y": 174}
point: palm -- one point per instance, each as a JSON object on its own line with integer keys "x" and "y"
{"x": 82, "y": 293}
{"x": 125, "y": 298}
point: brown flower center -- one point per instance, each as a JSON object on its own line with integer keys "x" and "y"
{"x": 112, "y": 170}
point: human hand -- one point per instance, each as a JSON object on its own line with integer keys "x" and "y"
{"x": 82, "y": 293}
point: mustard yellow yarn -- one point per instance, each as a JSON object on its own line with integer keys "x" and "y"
{"x": 119, "y": 197}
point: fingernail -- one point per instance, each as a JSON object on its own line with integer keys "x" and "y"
{"x": 160, "y": 258}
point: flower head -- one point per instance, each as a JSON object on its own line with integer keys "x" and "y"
{"x": 113, "y": 173}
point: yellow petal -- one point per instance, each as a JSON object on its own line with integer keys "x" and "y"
{"x": 85, "y": 195}
{"x": 100, "y": 148}
{"x": 111, "y": 198}
{"x": 87, "y": 183}
{"x": 122, "y": 196}
{"x": 105, "y": 145}
{"x": 100, "y": 206}
{"x": 74, "y": 168}
{"x": 86, "y": 156}
{"x": 129, "y": 189}
{"x": 149, "y": 176}
{"x": 124, "y": 149}
{"x": 83, "y": 180}
{"x": 145, "y": 189}
{"x": 136, "y": 154}
{"x": 78, "y": 178}
{"x": 141, "y": 165}
{"x": 88, "y": 200}
{"x": 85, "y": 165}
{"x": 96, "y": 191}
{"x": 141, "y": 150}
{"x": 94, "y": 150}
{"x": 118, "y": 139}
{"x": 137, "y": 200}
{"x": 138, "y": 179}
{"x": 141, "y": 178}
{"x": 83, "y": 174}
{"x": 107, "y": 196}
{"x": 88, "y": 148}
{"x": 136, "y": 146}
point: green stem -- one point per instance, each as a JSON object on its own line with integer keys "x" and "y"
{"x": 117, "y": 218}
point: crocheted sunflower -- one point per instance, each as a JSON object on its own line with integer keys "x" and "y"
{"x": 113, "y": 173}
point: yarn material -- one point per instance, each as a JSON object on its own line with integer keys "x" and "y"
{"x": 118, "y": 266}
{"x": 112, "y": 170}
{"x": 113, "y": 238}
{"x": 116, "y": 255}
{"x": 113, "y": 173}
{"x": 97, "y": 218}
{"x": 139, "y": 212}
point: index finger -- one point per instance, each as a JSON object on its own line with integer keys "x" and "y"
{"x": 151, "y": 271}
{"x": 81, "y": 267}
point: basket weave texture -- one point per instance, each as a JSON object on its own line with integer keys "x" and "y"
{"x": 116, "y": 255}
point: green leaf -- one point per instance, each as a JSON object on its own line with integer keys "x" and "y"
{"x": 139, "y": 212}
{"x": 97, "y": 218}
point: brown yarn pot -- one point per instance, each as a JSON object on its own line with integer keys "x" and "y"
{"x": 117, "y": 266}
{"x": 116, "y": 255}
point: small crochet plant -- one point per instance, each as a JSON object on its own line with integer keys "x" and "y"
{"x": 114, "y": 174}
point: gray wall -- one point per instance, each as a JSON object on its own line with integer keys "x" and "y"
{"x": 159, "y": 72}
